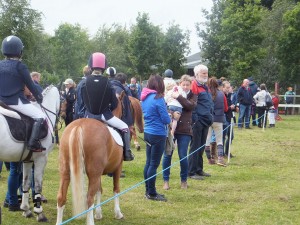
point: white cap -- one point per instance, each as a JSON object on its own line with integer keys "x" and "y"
{"x": 69, "y": 81}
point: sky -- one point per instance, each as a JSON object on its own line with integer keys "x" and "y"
{"x": 92, "y": 14}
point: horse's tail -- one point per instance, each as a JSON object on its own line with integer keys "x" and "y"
{"x": 77, "y": 170}
{"x": 138, "y": 114}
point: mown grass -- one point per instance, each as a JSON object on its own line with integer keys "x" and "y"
{"x": 261, "y": 185}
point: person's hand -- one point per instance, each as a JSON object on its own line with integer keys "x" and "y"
{"x": 39, "y": 99}
{"x": 175, "y": 94}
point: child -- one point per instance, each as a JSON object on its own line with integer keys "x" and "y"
{"x": 273, "y": 111}
{"x": 175, "y": 108}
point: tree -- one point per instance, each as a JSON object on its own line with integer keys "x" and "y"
{"x": 175, "y": 45}
{"x": 242, "y": 37}
{"x": 17, "y": 18}
{"x": 112, "y": 42}
{"x": 214, "y": 51}
{"x": 288, "y": 46}
{"x": 71, "y": 50}
{"x": 144, "y": 46}
{"x": 271, "y": 26}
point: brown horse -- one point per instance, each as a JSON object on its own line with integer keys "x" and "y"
{"x": 137, "y": 115}
{"x": 87, "y": 145}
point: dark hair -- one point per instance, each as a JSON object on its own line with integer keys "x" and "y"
{"x": 156, "y": 82}
{"x": 122, "y": 77}
{"x": 213, "y": 85}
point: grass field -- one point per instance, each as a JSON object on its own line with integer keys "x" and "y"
{"x": 261, "y": 185}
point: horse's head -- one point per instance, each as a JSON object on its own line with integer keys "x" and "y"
{"x": 118, "y": 111}
{"x": 51, "y": 102}
{"x": 63, "y": 108}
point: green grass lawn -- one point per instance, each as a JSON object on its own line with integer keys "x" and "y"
{"x": 261, "y": 185}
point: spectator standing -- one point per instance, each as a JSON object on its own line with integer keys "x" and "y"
{"x": 70, "y": 96}
{"x": 254, "y": 89}
{"x": 220, "y": 107}
{"x": 260, "y": 101}
{"x": 135, "y": 88}
{"x": 273, "y": 111}
{"x": 36, "y": 77}
{"x": 227, "y": 90}
{"x": 156, "y": 119}
{"x": 202, "y": 119}
{"x": 118, "y": 83}
{"x": 289, "y": 99}
{"x": 183, "y": 132}
{"x": 244, "y": 99}
{"x": 79, "y": 106}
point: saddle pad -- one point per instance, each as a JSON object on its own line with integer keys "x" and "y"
{"x": 21, "y": 129}
{"x": 116, "y": 136}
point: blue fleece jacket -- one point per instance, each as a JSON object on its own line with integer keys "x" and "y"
{"x": 155, "y": 113}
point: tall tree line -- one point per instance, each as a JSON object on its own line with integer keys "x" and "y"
{"x": 243, "y": 38}
{"x": 138, "y": 50}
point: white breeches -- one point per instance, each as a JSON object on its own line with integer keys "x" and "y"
{"x": 29, "y": 110}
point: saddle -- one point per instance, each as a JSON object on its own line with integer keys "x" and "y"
{"x": 21, "y": 128}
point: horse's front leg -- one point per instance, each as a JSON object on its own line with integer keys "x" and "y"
{"x": 135, "y": 140}
{"x": 39, "y": 168}
{"x": 27, "y": 178}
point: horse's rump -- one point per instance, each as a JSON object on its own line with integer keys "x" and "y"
{"x": 137, "y": 113}
{"x": 99, "y": 147}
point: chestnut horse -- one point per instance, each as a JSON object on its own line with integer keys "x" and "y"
{"x": 137, "y": 115}
{"x": 87, "y": 146}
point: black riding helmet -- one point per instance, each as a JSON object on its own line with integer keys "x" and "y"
{"x": 12, "y": 46}
{"x": 168, "y": 73}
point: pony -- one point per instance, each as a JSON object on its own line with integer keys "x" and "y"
{"x": 137, "y": 114}
{"x": 15, "y": 150}
{"x": 87, "y": 146}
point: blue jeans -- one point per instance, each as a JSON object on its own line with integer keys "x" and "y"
{"x": 153, "y": 158}
{"x": 244, "y": 114}
{"x": 14, "y": 183}
{"x": 183, "y": 144}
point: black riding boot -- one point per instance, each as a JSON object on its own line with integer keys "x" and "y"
{"x": 128, "y": 156}
{"x": 34, "y": 143}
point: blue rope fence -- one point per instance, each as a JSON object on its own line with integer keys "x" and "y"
{"x": 142, "y": 182}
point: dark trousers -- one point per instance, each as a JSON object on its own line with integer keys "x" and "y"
{"x": 153, "y": 157}
{"x": 260, "y": 113}
{"x": 197, "y": 148}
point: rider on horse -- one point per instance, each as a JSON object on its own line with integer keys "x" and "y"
{"x": 100, "y": 99}
{"x": 14, "y": 75}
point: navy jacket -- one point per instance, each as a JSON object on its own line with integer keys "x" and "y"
{"x": 204, "y": 108}
{"x": 126, "y": 113}
{"x": 14, "y": 75}
{"x": 79, "y": 105}
{"x": 244, "y": 96}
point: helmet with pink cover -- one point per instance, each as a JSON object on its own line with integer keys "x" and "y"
{"x": 97, "y": 61}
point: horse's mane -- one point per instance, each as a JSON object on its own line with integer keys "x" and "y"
{"x": 47, "y": 89}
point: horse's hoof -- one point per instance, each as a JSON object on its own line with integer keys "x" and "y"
{"x": 27, "y": 214}
{"x": 119, "y": 216}
{"x": 98, "y": 217}
{"x": 41, "y": 218}
{"x": 138, "y": 148}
